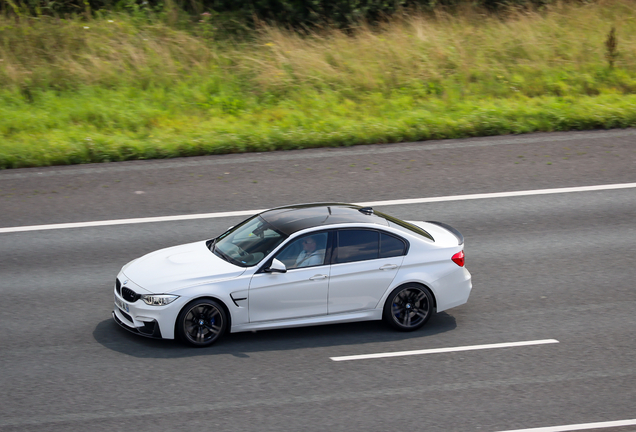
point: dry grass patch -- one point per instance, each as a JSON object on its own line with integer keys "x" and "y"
{"x": 108, "y": 52}
{"x": 469, "y": 46}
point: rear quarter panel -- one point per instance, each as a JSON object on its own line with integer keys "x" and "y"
{"x": 431, "y": 265}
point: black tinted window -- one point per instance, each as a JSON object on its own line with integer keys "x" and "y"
{"x": 391, "y": 246}
{"x": 357, "y": 245}
{"x": 306, "y": 251}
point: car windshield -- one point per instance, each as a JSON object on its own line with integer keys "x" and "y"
{"x": 247, "y": 243}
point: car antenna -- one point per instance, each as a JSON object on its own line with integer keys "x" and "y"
{"x": 366, "y": 210}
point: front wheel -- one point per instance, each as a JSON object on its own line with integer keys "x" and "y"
{"x": 201, "y": 323}
{"x": 408, "y": 307}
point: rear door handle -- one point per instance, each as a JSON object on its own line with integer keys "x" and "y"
{"x": 318, "y": 277}
{"x": 388, "y": 267}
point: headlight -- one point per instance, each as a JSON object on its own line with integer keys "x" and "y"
{"x": 158, "y": 299}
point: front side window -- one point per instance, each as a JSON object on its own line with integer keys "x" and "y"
{"x": 305, "y": 251}
{"x": 247, "y": 243}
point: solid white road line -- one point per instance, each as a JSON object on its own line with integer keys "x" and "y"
{"x": 578, "y": 427}
{"x": 128, "y": 221}
{"x": 444, "y": 350}
{"x": 373, "y": 203}
{"x": 502, "y": 194}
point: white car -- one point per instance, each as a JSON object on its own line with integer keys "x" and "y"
{"x": 294, "y": 266}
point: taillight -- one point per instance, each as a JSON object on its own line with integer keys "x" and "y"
{"x": 458, "y": 258}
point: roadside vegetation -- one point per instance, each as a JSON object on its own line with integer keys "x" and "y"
{"x": 112, "y": 86}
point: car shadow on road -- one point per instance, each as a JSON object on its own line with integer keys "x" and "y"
{"x": 240, "y": 345}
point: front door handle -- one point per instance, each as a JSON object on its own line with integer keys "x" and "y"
{"x": 318, "y": 277}
{"x": 388, "y": 267}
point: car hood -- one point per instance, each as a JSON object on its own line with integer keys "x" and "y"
{"x": 167, "y": 270}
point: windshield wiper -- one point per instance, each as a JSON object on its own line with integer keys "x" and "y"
{"x": 226, "y": 257}
{"x": 222, "y": 255}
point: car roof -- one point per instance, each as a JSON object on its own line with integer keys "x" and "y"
{"x": 294, "y": 218}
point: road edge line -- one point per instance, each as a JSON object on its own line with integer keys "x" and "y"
{"x": 371, "y": 203}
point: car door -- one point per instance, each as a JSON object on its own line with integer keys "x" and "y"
{"x": 299, "y": 292}
{"x": 364, "y": 264}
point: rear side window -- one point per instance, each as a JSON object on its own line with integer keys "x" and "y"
{"x": 357, "y": 245}
{"x": 391, "y": 246}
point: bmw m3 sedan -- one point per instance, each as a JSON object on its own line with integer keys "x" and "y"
{"x": 294, "y": 266}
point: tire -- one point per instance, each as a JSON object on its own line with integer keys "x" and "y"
{"x": 408, "y": 307}
{"x": 201, "y": 323}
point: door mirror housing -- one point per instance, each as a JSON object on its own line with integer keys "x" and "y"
{"x": 276, "y": 267}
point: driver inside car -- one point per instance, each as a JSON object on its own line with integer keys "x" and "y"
{"x": 310, "y": 255}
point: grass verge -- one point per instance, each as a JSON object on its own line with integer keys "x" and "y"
{"x": 124, "y": 87}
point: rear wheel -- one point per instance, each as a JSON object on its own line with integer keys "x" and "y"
{"x": 201, "y": 323}
{"x": 408, "y": 307}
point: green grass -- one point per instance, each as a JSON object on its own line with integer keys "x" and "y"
{"x": 137, "y": 87}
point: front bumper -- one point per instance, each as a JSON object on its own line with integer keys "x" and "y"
{"x": 137, "y": 317}
{"x": 149, "y": 328}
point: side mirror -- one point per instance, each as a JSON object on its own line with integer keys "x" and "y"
{"x": 276, "y": 267}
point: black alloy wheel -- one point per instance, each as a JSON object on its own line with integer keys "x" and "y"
{"x": 201, "y": 323}
{"x": 408, "y": 307}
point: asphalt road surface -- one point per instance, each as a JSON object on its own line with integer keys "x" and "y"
{"x": 545, "y": 267}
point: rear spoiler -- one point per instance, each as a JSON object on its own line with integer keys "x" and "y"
{"x": 460, "y": 237}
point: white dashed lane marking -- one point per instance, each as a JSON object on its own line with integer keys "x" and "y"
{"x": 444, "y": 350}
{"x": 578, "y": 427}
